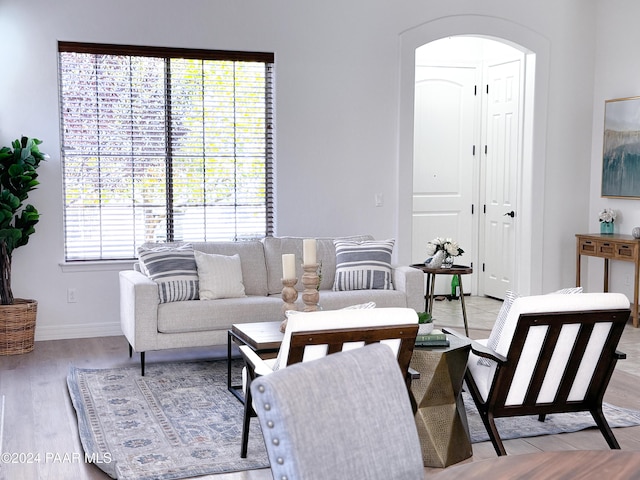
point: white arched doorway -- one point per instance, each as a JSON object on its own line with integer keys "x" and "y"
{"x": 528, "y": 234}
{"x": 468, "y": 125}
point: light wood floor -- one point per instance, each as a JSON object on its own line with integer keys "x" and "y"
{"x": 39, "y": 418}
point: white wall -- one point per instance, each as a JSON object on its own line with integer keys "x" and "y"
{"x": 616, "y": 76}
{"x": 338, "y": 100}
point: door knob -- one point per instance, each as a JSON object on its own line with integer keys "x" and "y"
{"x": 511, "y": 214}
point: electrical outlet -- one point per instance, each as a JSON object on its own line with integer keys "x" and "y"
{"x": 627, "y": 280}
{"x": 379, "y": 200}
{"x": 72, "y": 295}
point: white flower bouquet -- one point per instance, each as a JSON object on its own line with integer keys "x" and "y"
{"x": 607, "y": 215}
{"x": 448, "y": 246}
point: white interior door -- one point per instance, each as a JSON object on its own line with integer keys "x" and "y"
{"x": 503, "y": 150}
{"x": 443, "y": 163}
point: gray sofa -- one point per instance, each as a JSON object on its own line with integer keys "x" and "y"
{"x": 150, "y": 325}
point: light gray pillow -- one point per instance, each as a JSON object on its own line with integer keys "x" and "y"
{"x": 220, "y": 276}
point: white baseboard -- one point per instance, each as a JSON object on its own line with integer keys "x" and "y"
{"x": 85, "y": 330}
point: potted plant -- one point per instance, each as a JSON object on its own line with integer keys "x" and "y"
{"x": 425, "y": 323}
{"x": 18, "y": 177}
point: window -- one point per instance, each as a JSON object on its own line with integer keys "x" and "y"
{"x": 163, "y": 145}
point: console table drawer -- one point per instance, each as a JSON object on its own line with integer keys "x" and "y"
{"x": 625, "y": 251}
{"x": 612, "y": 247}
{"x": 606, "y": 249}
{"x": 598, "y": 248}
{"x": 588, "y": 247}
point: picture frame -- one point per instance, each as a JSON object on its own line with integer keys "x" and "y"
{"x": 621, "y": 148}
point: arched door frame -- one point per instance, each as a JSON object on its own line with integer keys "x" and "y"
{"x": 531, "y": 178}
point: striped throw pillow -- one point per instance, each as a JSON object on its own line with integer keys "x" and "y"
{"x": 363, "y": 265}
{"x": 496, "y": 332}
{"x": 173, "y": 269}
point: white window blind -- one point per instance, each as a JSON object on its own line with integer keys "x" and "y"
{"x": 163, "y": 145}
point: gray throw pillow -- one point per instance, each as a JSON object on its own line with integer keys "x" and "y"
{"x": 173, "y": 269}
{"x": 363, "y": 265}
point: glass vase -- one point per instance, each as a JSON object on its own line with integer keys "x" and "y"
{"x": 606, "y": 228}
{"x": 447, "y": 262}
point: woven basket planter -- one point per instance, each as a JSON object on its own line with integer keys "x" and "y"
{"x": 18, "y": 326}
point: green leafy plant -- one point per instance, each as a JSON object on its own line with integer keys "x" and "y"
{"x": 18, "y": 177}
{"x": 424, "y": 317}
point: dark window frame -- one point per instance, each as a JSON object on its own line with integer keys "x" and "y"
{"x": 172, "y": 56}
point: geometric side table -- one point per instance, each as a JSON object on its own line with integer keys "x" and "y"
{"x": 441, "y": 418}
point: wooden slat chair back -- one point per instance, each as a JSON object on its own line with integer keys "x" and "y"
{"x": 555, "y": 362}
{"x": 586, "y": 329}
{"x": 400, "y": 338}
{"x": 313, "y": 335}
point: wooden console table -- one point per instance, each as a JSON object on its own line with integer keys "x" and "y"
{"x": 611, "y": 247}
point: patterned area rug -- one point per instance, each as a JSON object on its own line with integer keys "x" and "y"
{"x": 177, "y": 421}
{"x": 529, "y": 426}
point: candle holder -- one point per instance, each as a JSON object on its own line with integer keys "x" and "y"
{"x": 289, "y": 294}
{"x": 310, "y": 294}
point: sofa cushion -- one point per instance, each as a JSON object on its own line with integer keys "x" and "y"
{"x": 174, "y": 269}
{"x": 185, "y": 317}
{"x": 219, "y": 276}
{"x": 330, "y": 300}
{"x": 363, "y": 265}
{"x": 275, "y": 247}
{"x": 254, "y": 271}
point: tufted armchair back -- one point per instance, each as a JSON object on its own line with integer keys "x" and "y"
{"x": 347, "y": 415}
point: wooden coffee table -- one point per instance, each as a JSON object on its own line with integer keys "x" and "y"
{"x": 264, "y": 338}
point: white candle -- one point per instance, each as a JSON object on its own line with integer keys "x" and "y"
{"x": 288, "y": 266}
{"x": 309, "y": 251}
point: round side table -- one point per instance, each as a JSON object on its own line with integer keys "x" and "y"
{"x": 457, "y": 270}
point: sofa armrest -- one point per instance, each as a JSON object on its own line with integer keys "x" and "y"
{"x": 139, "y": 302}
{"x": 410, "y": 281}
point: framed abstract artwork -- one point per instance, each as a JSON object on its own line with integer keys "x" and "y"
{"x": 621, "y": 148}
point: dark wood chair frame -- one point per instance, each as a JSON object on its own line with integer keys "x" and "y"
{"x": 494, "y": 406}
{"x": 335, "y": 339}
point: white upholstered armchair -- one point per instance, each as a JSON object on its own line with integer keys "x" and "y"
{"x": 555, "y": 353}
